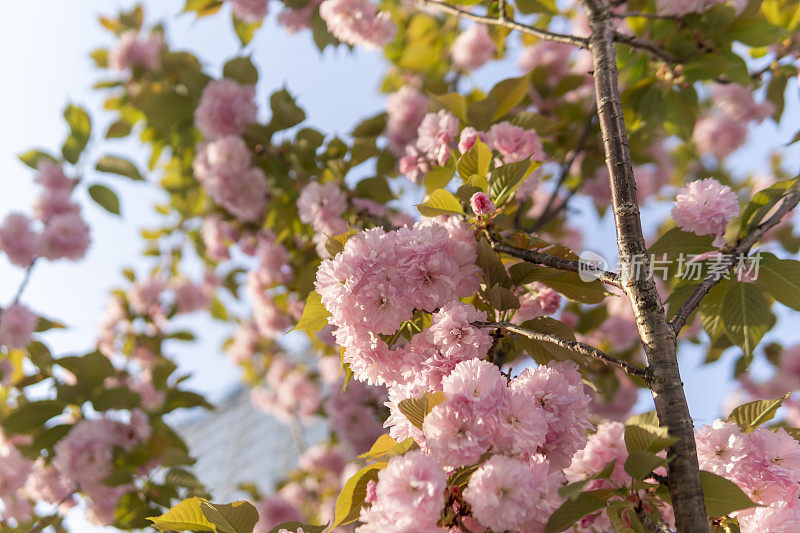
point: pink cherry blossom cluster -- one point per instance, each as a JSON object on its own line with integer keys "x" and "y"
{"x": 473, "y": 48}
{"x": 64, "y": 234}
{"x": 85, "y": 455}
{"x": 764, "y": 463}
{"x": 17, "y": 324}
{"x": 435, "y": 137}
{"x": 405, "y": 109}
{"x": 679, "y": 8}
{"x": 380, "y": 278}
{"x": 515, "y": 143}
{"x": 322, "y": 205}
{"x": 357, "y": 22}
{"x": 537, "y": 300}
{"x": 298, "y": 19}
{"x": 289, "y": 391}
{"x": 224, "y": 168}
{"x": 705, "y": 207}
{"x": 786, "y": 379}
{"x": 252, "y": 11}
{"x": 133, "y": 51}
{"x": 225, "y": 108}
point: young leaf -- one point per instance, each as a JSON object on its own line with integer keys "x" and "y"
{"x": 314, "y": 317}
{"x": 185, "y": 516}
{"x": 641, "y": 463}
{"x": 781, "y": 278}
{"x": 236, "y": 517}
{"x": 351, "y": 498}
{"x": 641, "y": 438}
{"x": 105, "y": 198}
{"x": 33, "y": 157}
{"x": 752, "y": 414}
{"x": 386, "y": 447}
{"x": 723, "y": 496}
{"x": 118, "y": 165}
{"x": 746, "y": 315}
{"x": 31, "y": 415}
{"x": 241, "y": 70}
{"x": 440, "y": 202}
{"x": 476, "y": 160}
{"x": 80, "y": 128}
{"x": 573, "y": 510}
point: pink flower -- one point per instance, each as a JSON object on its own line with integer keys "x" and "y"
{"x": 274, "y": 510}
{"x": 64, "y": 237}
{"x": 719, "y": 135}
{"x": 51, "y": 176}
{"x": 225, "y": 108}
{"x": 781, "y": 517}
{"x": 467, "y": 139}
{"x": 145, "y": 296}
{"x": 455, "y": 336}
{"x": 476, "y": 381}
{"x": 436, "y": 130}
{"x": 245, "y": 343}
{"x": 321, "y": 205}
{"x": 473, "y": 48}
{"x": 719, "y": 446}
{"x": 357, "y": 22}
{"x": 190, "y": 297}
{"x": 18, "y": 240}
{"x": 705, "y": 207}
{"x": 406, "y": 109}
{"x": 515, "y": 143}
{"x": 552, "y": 56}
{"x": 679, "y": 8}
{"x": 17, "y": 324}
{"x": 218, "y": 235}
{"x": 558, "y": 388}
{"x": 504, "y": 492}
{"x": 539, "y": 300}
{"x": 736, "y": 101}
{"x": 54, "y": 202}
{"x": 413, "y": 165}
{"x": 409, "y": 496}
{"x": 604, "y": 446}
{"x": 481, "y": 204}
{"x": 521, "y": 425}
{"x": 252, "y": 11}
{"x": 223, "y": 166}
{"x": 131, "y": 51}
{"x": 297, "y": 19}
{"x": 457, "y": 432}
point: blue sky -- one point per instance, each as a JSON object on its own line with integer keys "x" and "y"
{"x": 45, "y": 61}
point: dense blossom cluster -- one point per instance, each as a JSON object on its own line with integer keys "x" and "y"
{"x": 252, "y": 11}
{"x": 473, "y": 48}
{"x": 764, "y": 463}
{"x": 705, "y": 207}
{"x": 357, "y": 22}
{"x": 225, "y": 108}
{"x": 132, "y": 51}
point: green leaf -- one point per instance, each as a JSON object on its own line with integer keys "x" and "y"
{"x": 460, "y": 476}
{"x": 105, "y": 198}
{"x": 386, "y": 447}
{"x": 781, "y": 278}
{"x": 32, "y": 158}
{"x": 371, "y": 126}
{"x": 746, "y": 315}
{"x": 675, "y": 244}
{"x": 506, "y": 178}
{"x": 641, "y": 463}
{"x": 761, "y": 203}
{"x": 241, "y": 70}
{"x": 118, "y": 129}
{"x": 494, "y": 272}
{"x": 722, "y": 496}
{"x": 245, "y": 31}
{"x": 185, "y": 516}
{"x": 80, "y": 128}
{"x": 351, "y": 498}
{"x": 120, "y": 166}
{"x": 438, "y": 178}
{"x": 31, "y": 415}
{"x": 116, "y": 398}
{"x": 203, "y": 8}
{"x": 755, "y": 31}
{"x": 752, "y": 414}
{"x": 416, "y": 409}
{"x": 454, "y": 103}
{"x": 783, "y": 13}
{"x": 501, "y": 298}
{"x": 573, "y": 510}
{"x": 643, "y": 438}
{"x": 235, "y": 517}
{"x": 314, "y": 317}
{"x": 544, "y": 352}
{"x": 508, "y": 94}
{"x": 285, "y": 112}
{"x": 712, "y": 65}
{"x": 476, "y": 160}
{"x": 334, "y": 245}
{"x": 440, "y": 202}
{"x": 573, "y": 490}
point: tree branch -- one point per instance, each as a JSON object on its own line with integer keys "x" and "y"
{"x": 644, "y": 44}
{"x": 575, "y": 346}
{"x": 741, "y": 249}
{"x": 658, "y": 338}
{"x": 503, "y": 22}
{"x": 570, "y": 265}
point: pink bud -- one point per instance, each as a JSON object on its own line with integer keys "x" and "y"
{"x": 481, "y": 204}
{"x": 468, "y": 137}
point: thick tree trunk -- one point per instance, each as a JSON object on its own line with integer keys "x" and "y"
{"x": 656, "y": 334}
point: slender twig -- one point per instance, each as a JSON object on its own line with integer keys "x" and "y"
{"x": 504, "y": 22}
{"x": 575, "y": 346}
{"x": 564, "y": 172}
{"x": 24, "y": 283}
{"x": 728, "y": 260}
{"x": 639, "y": 14}
{"x": 570, "y": 265}
{"x": 644, "y": 44}
{"x": 657, "y": 527}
